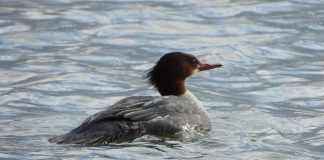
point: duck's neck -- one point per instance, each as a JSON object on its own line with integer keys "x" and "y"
{"x": 171, "y": 87}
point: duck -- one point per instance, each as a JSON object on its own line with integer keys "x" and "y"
{"x": 176, "y": 110}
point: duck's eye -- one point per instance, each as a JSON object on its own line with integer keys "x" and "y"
{"x": 194, "y": 61}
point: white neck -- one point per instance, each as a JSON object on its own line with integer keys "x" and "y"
{"x": 188, "y": 95}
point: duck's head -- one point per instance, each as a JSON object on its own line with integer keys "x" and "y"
{"x": 170, "y": 72}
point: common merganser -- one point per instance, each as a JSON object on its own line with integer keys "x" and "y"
{"x": 132, "y": 117}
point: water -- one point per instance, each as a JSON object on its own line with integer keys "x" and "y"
{"x": 63, "y": 60}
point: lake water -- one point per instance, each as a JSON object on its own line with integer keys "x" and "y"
{"x": 63, "y": 60}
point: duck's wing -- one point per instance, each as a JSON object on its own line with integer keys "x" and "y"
{"x": 115, "y": 111}
{"x": 144, "y": 109}
{"x": 116, "y": 123}
{"x": 127, "y": 120}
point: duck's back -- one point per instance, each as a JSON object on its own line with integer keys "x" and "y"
{"x": 133, "y": 117}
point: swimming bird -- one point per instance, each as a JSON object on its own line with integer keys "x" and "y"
{"x": 132, "y": 117}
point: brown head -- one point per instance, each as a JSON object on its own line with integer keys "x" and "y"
{"x": 170, "y": 72}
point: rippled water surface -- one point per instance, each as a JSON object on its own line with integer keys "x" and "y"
{"x": 63, "y": 60}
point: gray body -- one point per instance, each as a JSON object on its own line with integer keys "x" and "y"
{"x": 134, "y": 117}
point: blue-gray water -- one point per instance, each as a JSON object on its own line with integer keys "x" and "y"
{"x": 63, "y": 60}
